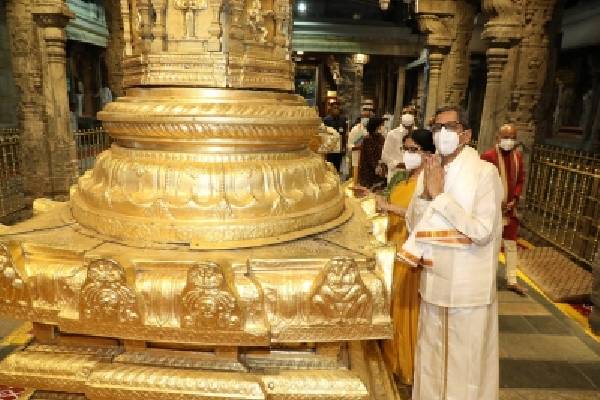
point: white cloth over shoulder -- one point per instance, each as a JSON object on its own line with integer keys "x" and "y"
{"x": 392, "y": 150}
{"x": 458, "y": 235}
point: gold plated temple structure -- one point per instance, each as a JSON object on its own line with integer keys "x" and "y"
{"x": 209, "y": 254}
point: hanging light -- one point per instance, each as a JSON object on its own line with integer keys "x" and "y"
{"x": 360, "y": 58}
{"x": 384, "y": 4}
{"x": 302, "y": 7}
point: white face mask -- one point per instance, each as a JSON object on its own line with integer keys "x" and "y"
{"x": 412, "y": 160}
{"x": 446, "y": 141}
{"x": 507, "y": 144}
{"x": 364, "y": 121}
{"x": 407, "y": 120}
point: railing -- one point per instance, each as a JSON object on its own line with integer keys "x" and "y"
{"x": 562, "y": 202}
{"x": 90, "y": 143}
{"x": 11, "y": 182}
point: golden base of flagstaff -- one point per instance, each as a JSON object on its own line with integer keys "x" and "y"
{"x": 112, "y": 320}
{"x": 213, "y": 168}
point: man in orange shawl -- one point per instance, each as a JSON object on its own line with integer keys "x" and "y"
{"x": 509, "y": 161}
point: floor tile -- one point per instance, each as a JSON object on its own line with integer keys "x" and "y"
{"x": 545, "y": 347}
{"x": 514, "y": 324}
{"x": 522, "y": 308}
{"x": 592, "y": 371}
{"x": 547, "y": 324}
{"x": 506, "y": 296}
{"x": 541, "y": 374}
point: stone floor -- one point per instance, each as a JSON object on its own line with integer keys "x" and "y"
{"x": 543, "y": 354}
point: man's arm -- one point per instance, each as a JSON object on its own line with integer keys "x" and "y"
{"x": 479, "y": 225}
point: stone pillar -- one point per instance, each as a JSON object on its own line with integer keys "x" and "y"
{"x": 115, "y": 47}
{"x": 26, "y": 66}
{"x": 502, "y": 31}
{"x": 421, "y": 96}
{"x": 530, "y": 101}
{"x": 400, "y": 83}
{"x": 37, "y": 41}
{"x": 436, "y": 59}
{"x": 349, "y": 89}
{"x": 458, "y": 60}
{"x": 448, "y": 26}
{"x": 51, "y": 18}
{"x": 496, "y": 62}
{"x": 592, "y": 125}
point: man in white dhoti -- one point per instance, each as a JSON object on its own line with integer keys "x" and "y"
{"x": 455, "y": 221}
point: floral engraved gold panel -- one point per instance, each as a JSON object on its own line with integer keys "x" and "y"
{"x": 208, "y": 302}
{"x": 339, "y": 294}
{"x": 105, "y": 296}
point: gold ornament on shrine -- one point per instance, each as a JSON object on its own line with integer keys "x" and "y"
{"x": 209, "y": 253}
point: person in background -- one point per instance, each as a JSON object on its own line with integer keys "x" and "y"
{"x": 399, "y": 352}
{"x": 370, "y": 155}
{"x": 105, "y": 96}
{"x": 509, "y": 161}
{"x": 355, "y": 138}
{"x": 392, "y": 149}
{"x": 335, "y": 120}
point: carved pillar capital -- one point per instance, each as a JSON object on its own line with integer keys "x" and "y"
{"x": 504, "y": 24}
{"x": 51, "y": 13}
{"x": 438, "y": 29}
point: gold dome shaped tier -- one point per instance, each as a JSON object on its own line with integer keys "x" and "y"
{"x": 213, "y": 168}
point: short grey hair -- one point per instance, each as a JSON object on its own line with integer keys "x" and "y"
{"x": 462, "y": 115}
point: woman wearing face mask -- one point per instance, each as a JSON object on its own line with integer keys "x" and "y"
{"x": 399, "y": 351}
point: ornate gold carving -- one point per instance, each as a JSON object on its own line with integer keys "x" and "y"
{"x": 207, "y": 300}
{"x": 190, "y": 8}
{"x": 236, "y": 192}
{"x": 105, "y": 296}
{"x": 12, "y": 286}
{"x": 134, "y": 382}
{"x": 180, "y": 359}
{"x": 340, "y": 294}
{"x": 203, "y": 159}
{"x": 329, "y": 385}
{"x": 256, "y": 20}
{"x": 47, "y": 370}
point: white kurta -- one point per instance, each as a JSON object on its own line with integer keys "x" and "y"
{"x": 457, "y": 341}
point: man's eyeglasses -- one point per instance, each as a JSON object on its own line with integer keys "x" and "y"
{"x": 450, "y": 125}
{"x": 411, "y": 149}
